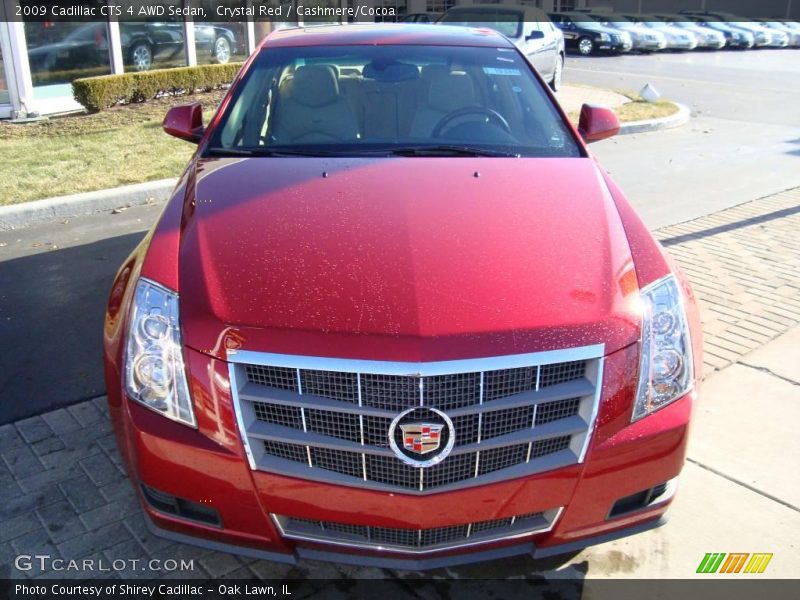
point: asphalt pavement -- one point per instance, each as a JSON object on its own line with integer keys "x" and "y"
{"x": 743, "y": 144}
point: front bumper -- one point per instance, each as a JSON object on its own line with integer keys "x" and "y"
{"x": 649, "y": 45}
{"x": 208, "y": 466}
{"x": 714, "y": 44}
{"x": 615, "y": 46}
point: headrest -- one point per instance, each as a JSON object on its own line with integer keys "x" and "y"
{"x": 431, "y": 72}
{"x": 315, "y": 85}
{"x": 451, "y": 92}
{"x": 390, "y": 72}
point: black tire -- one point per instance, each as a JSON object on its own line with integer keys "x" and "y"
{"x": 585, "y": 46}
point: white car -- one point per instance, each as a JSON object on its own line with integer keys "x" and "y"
{"x": 706, "y": 37}
{"x": 530, "y": 29}
{"x": 677, "y": 38}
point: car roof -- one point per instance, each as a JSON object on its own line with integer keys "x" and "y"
{"x": 389, "y": 34}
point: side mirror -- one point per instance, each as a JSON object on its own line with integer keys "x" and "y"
{"x": 597, "y": 123}
{"x": 535, "y": 35}
{"x": 185, "y": 122}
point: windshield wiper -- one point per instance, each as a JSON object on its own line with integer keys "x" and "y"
{"x": 448, "y": 150}
{"x": 269, "y": 152}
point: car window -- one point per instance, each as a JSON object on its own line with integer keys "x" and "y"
{"x": 507, "y": 22}
{"x": 353, "y": 100}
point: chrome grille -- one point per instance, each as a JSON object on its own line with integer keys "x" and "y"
{"x": 415, "y": 540}
{"x": 512, "y": 416}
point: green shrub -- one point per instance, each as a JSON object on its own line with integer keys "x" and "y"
{"x": 100, "y": 93}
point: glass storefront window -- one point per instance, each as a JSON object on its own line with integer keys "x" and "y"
{"x": 439, "y": 6}
{"x": 153, "y": 44}
{"x": 263, "y": 28}
{"x": 60, "y": 51}
{"x": 220, "y": 42}
{"x": 4, "y": 97}
{"x": 400, "y": 10}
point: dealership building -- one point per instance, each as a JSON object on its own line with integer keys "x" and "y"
{"x": 40, "y": 58}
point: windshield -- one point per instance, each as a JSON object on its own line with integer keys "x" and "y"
{"x": 361, "y": 100}
{"x": 507, "y": 22}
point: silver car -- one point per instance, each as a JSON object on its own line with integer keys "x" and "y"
{"x": 530, "y": 29}
{"x": 645, "y": 39}
{"x": 677, "y": 38}
{"x": 706, "y": 37}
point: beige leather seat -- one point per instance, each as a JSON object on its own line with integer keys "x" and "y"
{"x": 447, "y": 92}
{"x": 313, "y": 110}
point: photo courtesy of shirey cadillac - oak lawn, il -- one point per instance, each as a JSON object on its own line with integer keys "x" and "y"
{"x": 395, "y": 313}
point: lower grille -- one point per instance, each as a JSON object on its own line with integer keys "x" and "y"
{"x": 415, "y": 540}
{"x": 329, "y": 419}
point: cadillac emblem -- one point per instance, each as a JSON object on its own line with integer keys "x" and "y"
{"x": 421, "y": 436}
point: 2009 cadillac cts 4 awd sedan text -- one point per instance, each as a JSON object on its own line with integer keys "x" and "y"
{"x": 396, "y": 314}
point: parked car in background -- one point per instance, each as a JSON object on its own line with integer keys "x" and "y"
{"x": 644, "y": 39}
{"x": 676, "y": 38}
{"x": 706, "y": 37}
{"x": 735, "y": 37}
{"x": 399, "y": 317}
{"x": 531, "y": 30}
{"x": 587, "y": 37}
{"x": 793, "y": 34}
{"x": 421, "y": 17}
{"x": 143, "y": 44}
{"x": 762, "y": 36}
{"x": 777, "y": 38}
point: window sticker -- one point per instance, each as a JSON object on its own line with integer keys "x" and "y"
{"x": 503, "y": 72}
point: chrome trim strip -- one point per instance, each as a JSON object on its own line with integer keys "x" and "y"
{"x": 598, "y": 393}
{"x": 237, "y": 410}
{"x": 366, "y": 545}
{"x": 423, "y": 369}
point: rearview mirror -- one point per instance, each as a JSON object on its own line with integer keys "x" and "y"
{"x": 535, "y": 35}
{"x": 185, "y": 122}
{"x": 597, "y": 123}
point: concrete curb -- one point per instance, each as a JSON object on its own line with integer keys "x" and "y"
{"x": 22, "y": 215}
{"x": 675, "y": 120}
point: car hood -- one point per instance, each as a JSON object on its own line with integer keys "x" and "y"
{"x": 600, "y": 28}
{"x": 409, "y": 259}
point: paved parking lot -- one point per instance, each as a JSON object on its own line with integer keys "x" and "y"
{"x": 63, "y": 491}
{"x": 742, "y": 143}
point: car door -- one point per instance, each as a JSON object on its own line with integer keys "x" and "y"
{"x": 540, "y": 47}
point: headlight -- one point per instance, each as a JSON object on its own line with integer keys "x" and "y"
{"x": 604, "y": 37}
{"x": 665, "y": 370}
{"x": 154, "y": 371}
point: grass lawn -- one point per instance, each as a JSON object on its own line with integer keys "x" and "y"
{"x": 638, "y": 110}
{"x": 80, "y": 153}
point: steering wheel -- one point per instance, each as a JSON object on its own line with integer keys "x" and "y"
{"x": 491, "y": 115}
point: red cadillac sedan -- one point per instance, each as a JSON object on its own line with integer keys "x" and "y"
{"x": 396, "y": 314}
